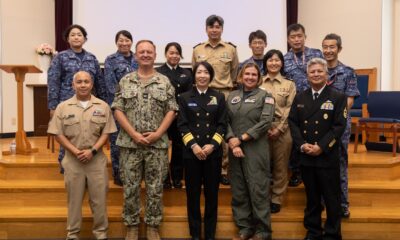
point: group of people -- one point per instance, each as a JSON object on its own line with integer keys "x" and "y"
{"x": 230, "y": 123}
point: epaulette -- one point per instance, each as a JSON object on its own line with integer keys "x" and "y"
{"x": 197, "y": 45}
{"x": 231, "y": 44}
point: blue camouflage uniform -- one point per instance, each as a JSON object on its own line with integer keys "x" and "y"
{"x": 259, "y": 63}
{"x": 343, "y": 79}
{"x": 115, "y": 67}
{"x": 296, "y": 68}
{"x": 60, "y": 75}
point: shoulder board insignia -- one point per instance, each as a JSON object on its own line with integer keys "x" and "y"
{"x": 231, "y": 44}
{"x": 197, "y": 45}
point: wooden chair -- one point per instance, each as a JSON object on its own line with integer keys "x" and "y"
{"x": 366, "y": 82}
{"x": 50, "y": 141}
{"x": 384, "y": 116}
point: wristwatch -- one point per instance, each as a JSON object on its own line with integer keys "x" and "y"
{"x": 94, "y": 151}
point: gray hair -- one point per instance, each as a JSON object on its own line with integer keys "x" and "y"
{"x": 82, "y": 72}
{"x": 319, "y": 61}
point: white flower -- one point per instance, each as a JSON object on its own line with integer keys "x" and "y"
{"x": 46, "y": 49}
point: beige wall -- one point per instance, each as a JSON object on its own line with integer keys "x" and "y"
{"x": 24, "y": 25}
{"x": 357, "y": 21}
{"x": 396, "y": 47}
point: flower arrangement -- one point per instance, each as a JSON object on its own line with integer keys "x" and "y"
{"x": 46, "y": 49}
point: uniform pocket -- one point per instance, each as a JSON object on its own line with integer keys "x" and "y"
{"x": 130, "y": 99}
{"x": 97, "y": 123}
{"x": 72, "y": 127}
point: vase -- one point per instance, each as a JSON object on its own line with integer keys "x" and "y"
{"x": 44, "y": 64}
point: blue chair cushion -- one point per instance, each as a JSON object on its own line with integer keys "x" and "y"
{"x": 379, "y": 120}
{"x": 355, "y": 112}
{"x": 385, "y": 104}
{"x": 362, "y": 85}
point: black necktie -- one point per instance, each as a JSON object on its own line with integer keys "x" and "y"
{"x": 316, "y": 95}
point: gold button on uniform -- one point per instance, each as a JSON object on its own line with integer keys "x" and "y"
{"x": 179, "y": 85}
{"x": 316, "y": 122}
{"x": 316, "y": 132}
{"x": 198, "y": 136}
{"x": 207, "y": 114}
{"x": 198, "y": 125}
{"x": 198, "y": 114}
{"x": 208, "y": 136}
{"x": 305, "y": 131}
{"x": 207, "y": 125}
{"x": 305, "y": 121}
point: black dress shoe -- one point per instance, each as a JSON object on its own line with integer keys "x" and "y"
{"x": 225, "y": 180}
{"x": 345, "y": 212}
{"x": 167, "y": 185}
{"x": 177, "y": 184}
{"x": 275, "y": 208}
{"x": 195, "y": 238}
{"x": 295, "y": 180}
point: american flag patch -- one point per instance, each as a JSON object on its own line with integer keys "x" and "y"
{"x": 269, "y": 100}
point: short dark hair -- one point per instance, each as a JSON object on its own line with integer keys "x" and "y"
{"x": 257, "y": 34}
{"x": 176, "y": 45}
{"x": 269, "y": 55}
{"x": 69, "y": 29}
{"x": 214, "y": 18}
{"x": 205, "y": 64}
{"x": 295, "y": 27}
{"x": 123, "y": 33}
{"x": 143, "y": 41}
{"x": 334, "y": 36}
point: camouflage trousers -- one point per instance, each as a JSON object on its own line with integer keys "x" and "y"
{"x": 343, "y": 163}
{"x": 143, "y": 163}
{"x": 114, "y": 153}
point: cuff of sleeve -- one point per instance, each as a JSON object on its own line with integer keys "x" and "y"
{"x": 252, "y": 134}
{"x": 188, "y": 139}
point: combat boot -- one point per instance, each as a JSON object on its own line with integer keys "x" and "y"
{"x": 132, "y": 233}
{"x": 152, "y": 233}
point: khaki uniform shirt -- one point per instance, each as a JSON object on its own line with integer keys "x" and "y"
{"x": 145, "y": 104}
{"x": 224, "y": 60}
{"x": 284, "y": 91}
{"x": 82, "y": 126}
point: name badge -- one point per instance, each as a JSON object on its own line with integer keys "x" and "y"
{"x": 192, "y": 104}
{"x": 250, "y": 100}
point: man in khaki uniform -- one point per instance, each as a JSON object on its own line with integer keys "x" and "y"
{"x": 224, "y": 60}
{"x": 283, "y": 90}
{"x": 81, "y": 125}
{"x": 144, "y": 107}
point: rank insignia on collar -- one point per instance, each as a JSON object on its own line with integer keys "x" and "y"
{"x": 236, "y": 100}
{"x": 345, "y": 113}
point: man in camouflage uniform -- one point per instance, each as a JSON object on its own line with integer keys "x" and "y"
{"x": 296, "y": 69}
{"x": 144, "y": 107}
{"x": 224, "y": 60}
{"x": 343, "y": 79}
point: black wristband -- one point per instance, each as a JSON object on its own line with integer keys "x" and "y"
{"x": 94, "y": 151}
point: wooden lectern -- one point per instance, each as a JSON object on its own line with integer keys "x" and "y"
{"x": 23, "y": 144}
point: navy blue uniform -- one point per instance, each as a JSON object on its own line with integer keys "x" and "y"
{"x": 343, "y": 79}
{"x": 202, "y": 120}
{"x": 115, "y": 67}
{"x": 60, "y": 76}
{"x": 322, "y": 122}
{"x": 181, "y": 79}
